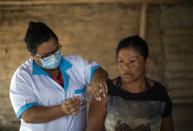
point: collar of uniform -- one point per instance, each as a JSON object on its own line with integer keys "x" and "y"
{"x": 64, "y": 65}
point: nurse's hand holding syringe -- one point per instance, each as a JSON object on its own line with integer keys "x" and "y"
{"x": 43, "y": 114}
{"x": 71, "y": 106}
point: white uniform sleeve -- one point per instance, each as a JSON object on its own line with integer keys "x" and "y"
{"x": 85, "y": 68}
{"x": 89, "y": 70}
{"x": 21, "y": 92}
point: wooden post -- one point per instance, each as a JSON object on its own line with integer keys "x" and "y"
{"x": 143, "y": 21}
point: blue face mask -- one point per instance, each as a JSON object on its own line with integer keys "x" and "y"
{"x": 51, "y": 62}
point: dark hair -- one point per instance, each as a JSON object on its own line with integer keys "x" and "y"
{"x": 36, "y": 34}
{"x": 135, "y": 42}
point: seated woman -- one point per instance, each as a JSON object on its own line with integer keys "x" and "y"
{"x": 134, "y": 102}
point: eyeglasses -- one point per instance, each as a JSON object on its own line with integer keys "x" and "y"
{"x": 46, "y": 57}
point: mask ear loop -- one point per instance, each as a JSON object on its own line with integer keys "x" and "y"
{"x": 33, "y": 51}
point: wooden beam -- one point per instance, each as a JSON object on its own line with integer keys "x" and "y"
{"x": 42, "y": 2}
{"x": 143, "y": 21}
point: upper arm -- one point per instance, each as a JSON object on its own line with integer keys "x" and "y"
{"x": 167, "y": 124}
{"x": 168, "y": 104}
{"x": 85, "y": 68}
{"x": 166, "y": 121}
{"x": 96, "y": 115}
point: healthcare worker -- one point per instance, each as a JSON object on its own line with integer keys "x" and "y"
{"x": 48, "y": 92}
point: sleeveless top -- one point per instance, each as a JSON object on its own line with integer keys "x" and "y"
{"x": 136, "y": 111}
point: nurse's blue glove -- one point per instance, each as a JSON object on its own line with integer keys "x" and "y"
{"x": 98, "y": 84}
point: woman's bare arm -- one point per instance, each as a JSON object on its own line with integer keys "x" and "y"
{"x": 96, "y": 115}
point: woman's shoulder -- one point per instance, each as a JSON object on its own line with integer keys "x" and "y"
{"x": 155, "y": 85}
{"x": 152, "y": 83}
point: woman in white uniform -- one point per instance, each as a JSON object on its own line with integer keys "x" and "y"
{"x": 48, "y": 92}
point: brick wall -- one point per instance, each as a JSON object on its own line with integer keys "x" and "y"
{"x": 177, "y": 36}
{"x": 88, "y": 30}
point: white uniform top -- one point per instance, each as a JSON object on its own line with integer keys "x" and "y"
{"x": 30, "y": 85}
